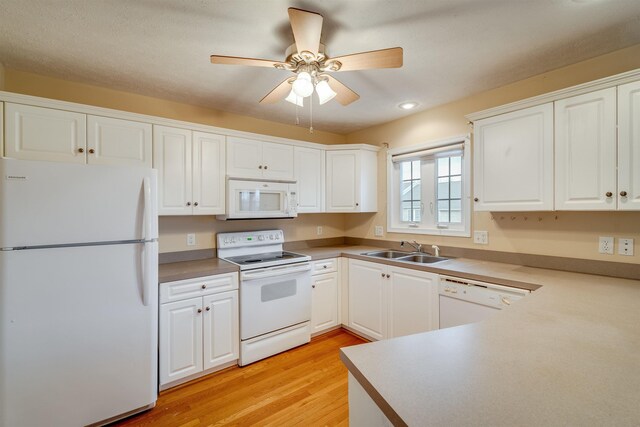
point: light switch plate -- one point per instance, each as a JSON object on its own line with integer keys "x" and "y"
{"x": 625, "y": 246}
{"x": 191, "y": 239}
{"x": 605, "y": 245}
{"x": 481, "y": 237}
{"x": 378, "y": 231}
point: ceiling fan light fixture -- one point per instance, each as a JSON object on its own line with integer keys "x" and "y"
{"x": 295, "y": 99}
{"x": 303, "y": 85}
{"x": 324, "y": 91}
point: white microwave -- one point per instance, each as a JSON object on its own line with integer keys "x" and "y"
{"x": 255, "y": 199}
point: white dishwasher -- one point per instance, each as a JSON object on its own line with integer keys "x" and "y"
{"x": 465, "y": 301}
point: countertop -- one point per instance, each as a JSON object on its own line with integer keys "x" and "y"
{"x": 567, "y": 354}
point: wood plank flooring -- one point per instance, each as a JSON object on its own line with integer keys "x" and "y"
{"x": 304, "y": 386}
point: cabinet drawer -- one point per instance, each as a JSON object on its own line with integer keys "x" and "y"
{"x": 324, "y": 266}
{"x": 183, "y": 289}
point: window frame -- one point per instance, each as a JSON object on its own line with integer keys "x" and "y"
{"x": 394, "y": 215}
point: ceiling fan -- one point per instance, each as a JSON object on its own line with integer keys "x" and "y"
{"x": 307, "y": 58}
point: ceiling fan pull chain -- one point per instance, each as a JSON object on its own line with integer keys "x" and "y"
{"x": 311, "y": 113}
{"x": 297, "y": 117}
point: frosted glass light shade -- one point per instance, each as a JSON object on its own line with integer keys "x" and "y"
{"x": 295, "y": 99}
{"x": 324, "y": 91}
{"x": 303, "y": 86}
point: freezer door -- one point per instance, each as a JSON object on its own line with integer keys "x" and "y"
{"x": 77, "y": 343}
{"x": 50, "y": 203}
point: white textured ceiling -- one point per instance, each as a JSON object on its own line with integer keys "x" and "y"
{"x": 452, "y": 48}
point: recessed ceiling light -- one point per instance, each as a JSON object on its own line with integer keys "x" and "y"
{"x": 408, "y": 105}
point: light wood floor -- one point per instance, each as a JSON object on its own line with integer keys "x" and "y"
{"x": 304, "y": 386}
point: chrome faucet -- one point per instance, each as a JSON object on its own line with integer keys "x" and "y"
{"x": 417, "y": 246}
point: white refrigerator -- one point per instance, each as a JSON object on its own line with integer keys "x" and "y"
{"x": 78, "y": 293}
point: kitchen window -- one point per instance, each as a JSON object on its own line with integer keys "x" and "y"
{"x": 428, "y": 189}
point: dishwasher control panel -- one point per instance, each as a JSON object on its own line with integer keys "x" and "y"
{"x": 488, "y": 294}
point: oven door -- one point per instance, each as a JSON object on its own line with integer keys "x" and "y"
{"x": 273, "y": 298}
{"x": 259, "y": 199}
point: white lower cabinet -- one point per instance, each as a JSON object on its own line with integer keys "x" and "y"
{"x": 197, "y": 333}
{"x": 387, "y": 302}
{"x": 324, "y": 302}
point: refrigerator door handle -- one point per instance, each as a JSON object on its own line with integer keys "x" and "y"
{"x": 148, "y": 263}
{"x": 148, "y": 220}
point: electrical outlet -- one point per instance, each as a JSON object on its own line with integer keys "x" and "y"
{"x": 606, "y": 245}
{"x": 319, "y": 230}
{"x": 378, "y": 231}
{"x": 625, "y": 246}
{"x": 481, "y": 237}
{"x": 191, "y": 239}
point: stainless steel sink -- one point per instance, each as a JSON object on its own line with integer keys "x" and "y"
{"x": 387, "y": 254}
{"x": 422, "y": 258}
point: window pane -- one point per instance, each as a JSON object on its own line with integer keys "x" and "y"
{"x": 416, "y": 169}
{"x": 405, "y": 212}
{"x": 416, "y": 213}
{"x": 443, "y": 166}
{"x": 456, "y": 187}
{"x": 405, "y": 190}
{"x": 456, "y": 211}
{"x": 405, "y": 170}
{"x": 456, "y": 165}
{"x": 443, "y": 211}
{"x": 443, "y": 188}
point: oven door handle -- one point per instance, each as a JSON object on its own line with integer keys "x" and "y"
{"x": 275, "y": 271}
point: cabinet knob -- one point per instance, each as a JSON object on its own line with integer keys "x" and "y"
{"x": 313, "y": 286}
{"x": 357, "y": 204}
{"x": 623, "y": 193}
{"x": 199, "y": 310}
{"x": 388, "y": 275}
{"x": 260, "y": 167}
{"x": 195, "y": 204}
{"x": 324, "y": 266}
{"x": 476, "y": 199}
{"x": 208, "y": 308}
{"x": 80, "y": 150}
{"x": 383, "y": 275}
{"x": 609, "y": 194}
{"x": 204, "y": 286}
{"x": 188, "y": 203}
{"x": 265, "y": 167}
{"x": 91, "y": 151}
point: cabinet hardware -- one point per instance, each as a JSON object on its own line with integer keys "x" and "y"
{"x": 91, "y": 151}
{"x": 609, "y": 194}
{"x": 199, "y": 310}
{"x": 324, "y": 266}
{"x": 80, "y": 150}
{"x": 265, "y": 168}
{"x": 208, "y": 308}
{"x": 623, "y": 193}
{"x": 204, "y": 286}
{"x": 357, "y": 204}
{"x": 260, "y": 167}
{"x": 195, "y": 204}
{"x": 188, "y": 203}
{"x": 388, "y": 275}
{"x": 383, "y": 275}
{"x": 313, "y": 286}
{"x": 476, "y": 199}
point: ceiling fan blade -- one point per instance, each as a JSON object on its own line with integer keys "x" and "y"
{"x": 307, "y": 27}
{"x": 384, "y": 58}
{"x": 344, "y": 95}
{"x": 279, "y": 92}
{"x": 251, "y": 62}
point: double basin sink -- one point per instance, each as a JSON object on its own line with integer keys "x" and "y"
{"x": 415, "y": 257}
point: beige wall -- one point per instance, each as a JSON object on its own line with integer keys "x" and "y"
{"x": 570, "y": 234}
{"x": 1, "y": 76}
{"x": 173, "y": 230}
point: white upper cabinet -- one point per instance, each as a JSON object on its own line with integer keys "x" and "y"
{"x": 118, "y": 142}
{"x": 629, "y": 146}
{"x": 585, "y": 138}
{"x": 190, "y": 171}
{"x": 352, "y": 181}
{"x": 249, "y": 158}
{"x": 513, "y": 161}
{"x": 35, "y": 133}
{"x": 310, "y": 175}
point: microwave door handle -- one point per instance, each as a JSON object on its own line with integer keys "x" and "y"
{"x": 286, "y": 202}
{"x": 281, "y": 271}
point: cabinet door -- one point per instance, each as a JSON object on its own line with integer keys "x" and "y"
{"x": 586, "y": 151}
{"x": 513, "y": 161}
{"x": 277, "y": 161}
{"x": 180, "y": 339}
{"x": 324, "y": 302}
{"x": 208, "y": 173}
{"x": 221, "y": 331}
{"x": 244, "y": 158}
{"x": 172, "y": 150}
{"x": 118, "y": 142}
{"x": 309, "y": 173}
{"x": 629, "y": 146}
{"x": 413, "y": 302}
{"x": 35, "y": 133}
{"x": 342, "y": 173}
{"x": 2, "y": 150}
{"x": 367, "y": 298}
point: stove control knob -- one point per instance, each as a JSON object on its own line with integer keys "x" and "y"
{"x": 260, "y": 237}
{"x": 271, "y": 236}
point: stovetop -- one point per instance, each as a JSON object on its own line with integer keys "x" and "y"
{"x": 256, "y": 249}
{"x": 257, "y": 259}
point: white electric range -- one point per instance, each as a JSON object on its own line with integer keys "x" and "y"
{"x": 275, "y": 292}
